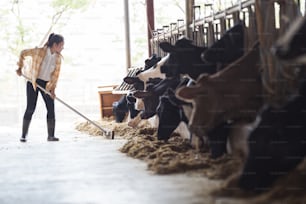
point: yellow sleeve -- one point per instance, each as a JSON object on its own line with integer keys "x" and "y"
{"x": 25, "y": 53}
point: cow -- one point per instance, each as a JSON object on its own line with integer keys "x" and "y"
{"x": 170, "y": 117}
{"x": 173, "y": 115}
{"x": 139, "y": 81}
{"x": 187, "y": 59}
{"x": 159, "y": 98}
{"x": 184, "y": 59}
{"x": 232, "y": 93}
{"x": 216, "y": 139}
{"x": 144, "y": 77}
{"x": 170, "y": 111}
{"x": 131, "y": 106}
{"x": 230, "y": 97}
{"x": 123, "y": 106}
{"x": 277, "y": 145}
{"x": 138, "y": 98}
{"x": 150, "y": 98}
{"x": 140, "y": 85}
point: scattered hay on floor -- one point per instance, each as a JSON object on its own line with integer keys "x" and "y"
{"x": 173, "y": 156}
{"x": 177, "y": 156}
{"x": 121, "y": 130}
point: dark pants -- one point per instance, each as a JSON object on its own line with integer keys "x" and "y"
{"x": 32, "y": 96}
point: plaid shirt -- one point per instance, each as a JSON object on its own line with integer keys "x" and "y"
{"x": 38, "y": 55}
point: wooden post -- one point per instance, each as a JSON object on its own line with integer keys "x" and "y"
{"x": 189, "y": 17}
{"x": 150, "y": 23}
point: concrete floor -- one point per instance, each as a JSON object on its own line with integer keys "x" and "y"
{"x": 84, "y": 169}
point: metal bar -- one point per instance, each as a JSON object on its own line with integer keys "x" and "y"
{"x": 214, "y": 16}
{"x": 127, "y": 34}
{"x": 108, "y": 133}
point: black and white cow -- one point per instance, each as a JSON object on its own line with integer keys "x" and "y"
{"x": 188, "y": 59}
{"x": 139, "y": 81}
{"x": 171, "y": 113}
{"x": 145, "y": 78}
{"x": 125, "y": 105}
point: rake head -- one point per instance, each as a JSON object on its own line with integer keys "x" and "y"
{"x": 109, "y": 134}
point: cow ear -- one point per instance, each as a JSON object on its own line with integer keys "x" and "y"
{"x": 130, "y": 80}
{"x": 186, "y": 93}
{"x": 166, "y": 47}
{"x": 141, "y": 94}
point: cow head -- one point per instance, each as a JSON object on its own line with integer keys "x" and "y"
{"x": 153, "y": 72}
{"x": 150, "y": 97}
{"x": 135, "y": 81}
{"x": 169, "y": 118}
{"x": 183, "y": 56}
{"x": 150, "y": 101}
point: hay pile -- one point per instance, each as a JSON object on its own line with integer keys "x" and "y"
{"x": 177, "y": 156}
{"x": 122, "y": 130}
{"x": 174, "y": 156}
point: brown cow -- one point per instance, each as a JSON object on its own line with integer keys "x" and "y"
{"x": 234, "y": 93}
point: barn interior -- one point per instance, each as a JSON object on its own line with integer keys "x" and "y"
{"x": 194, "y": 101}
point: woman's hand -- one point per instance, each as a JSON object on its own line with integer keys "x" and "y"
{"x": 52, "y": 92}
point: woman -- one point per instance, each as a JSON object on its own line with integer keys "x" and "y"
{"x": 45, "y": 69}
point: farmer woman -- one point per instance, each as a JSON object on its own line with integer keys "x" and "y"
{"x": 44, "y": 71}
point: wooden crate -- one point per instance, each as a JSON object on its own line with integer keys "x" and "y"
{"x": 106, "y": 100}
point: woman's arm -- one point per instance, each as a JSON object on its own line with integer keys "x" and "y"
{"x": 23, "y": 54}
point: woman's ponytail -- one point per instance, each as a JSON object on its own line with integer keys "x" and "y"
{"x": 54, "y": 38}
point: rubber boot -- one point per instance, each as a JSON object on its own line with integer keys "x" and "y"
{"x": 25, "y": 128}
{"x": 51, "y": 128}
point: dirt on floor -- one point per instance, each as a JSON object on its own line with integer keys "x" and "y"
{"x": 178, "y": 156}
